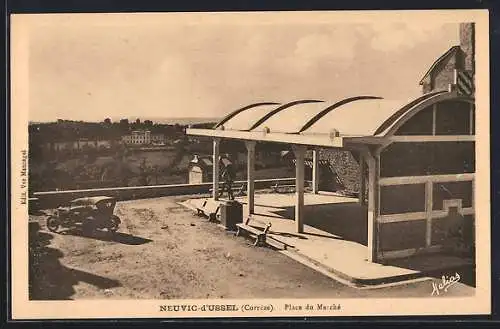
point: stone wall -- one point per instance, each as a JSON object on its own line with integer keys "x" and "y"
{"x": 345, "y": 165}
{"x": 47, "y": 200}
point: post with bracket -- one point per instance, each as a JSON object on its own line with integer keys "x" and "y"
{"x": 250, "y": 145}
{"x": 299, "y": 151}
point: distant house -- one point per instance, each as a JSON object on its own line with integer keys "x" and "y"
{"x": 104, "y": 144}
{"x": 77, "y": 145}
{"x": 159, "y": 139}
{"x": 200, "y": 169}
{"x": 144, "y": 137}
{"x": 137, "y": 137}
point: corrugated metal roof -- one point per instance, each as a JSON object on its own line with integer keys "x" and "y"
{"x": 358, "y": 118}
{"x": 354, "y": 116}
{"x": 314, "y": 122}
{"x": 244, "y": 119}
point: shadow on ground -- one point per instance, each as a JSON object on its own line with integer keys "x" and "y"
{"x": 118, "y": 237}
{"x": 48, "y": 278}
{"x": 465, "y": 273}
{"x": 347, "y": 220}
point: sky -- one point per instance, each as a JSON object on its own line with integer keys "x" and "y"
{"x": 90, "y": 67}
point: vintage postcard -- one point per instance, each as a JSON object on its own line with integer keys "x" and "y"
{"x": 250, "y": 164}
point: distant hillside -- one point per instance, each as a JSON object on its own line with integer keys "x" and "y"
{"x": 171, "y": 121}
{"x": 168, "y": 121}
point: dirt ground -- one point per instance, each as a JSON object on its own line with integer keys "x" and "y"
{"x": 164, "y": 251}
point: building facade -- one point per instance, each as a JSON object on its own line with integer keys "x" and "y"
{"x": 143, "y": 137}
{"x": 455, "y": 67}
{"x": 158, "y": 139}
{"x": 77, "y": 145}
{"x": 137, "y": 137}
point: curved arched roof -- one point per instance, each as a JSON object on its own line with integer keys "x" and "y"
{"x": 244, "y": 118}
{"x": 360, "y": 119}
{"x": 354, "y": 116}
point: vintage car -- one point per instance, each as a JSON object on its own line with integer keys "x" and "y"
{"x": 90, "y": 213}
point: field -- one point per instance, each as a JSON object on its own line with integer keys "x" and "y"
{"x": 130, "y": 169}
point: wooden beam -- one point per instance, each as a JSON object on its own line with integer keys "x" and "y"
{"x": 387, "y": 181}
{"x": 428, "y": 212}
{"x": 300, "y": 152}
{"x": 362, "y": 180}
{"x": 315, "y": 172}
{"x": 250, "y": 176}
{"x": 373, "y": 206}
{"x": 370, "y": 140}
{"x": 434, "y": 110}
{"x": 430, "y": 139}
{"x": 402, "y": 217}
{"x": 471, "y": 119}
{"x": 216, "y": 169}
{"x": 324, "y": 140}
{"x": 421, "y": 215}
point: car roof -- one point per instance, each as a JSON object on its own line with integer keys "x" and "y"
{"x": 92, "y": 200}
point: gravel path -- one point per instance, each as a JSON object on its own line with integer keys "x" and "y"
{"x": 163, "y": 251}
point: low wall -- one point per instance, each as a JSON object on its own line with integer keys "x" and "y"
{"x": 53, "y": 199}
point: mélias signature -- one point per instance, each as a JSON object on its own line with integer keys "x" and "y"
{"x": 444, "y": 284}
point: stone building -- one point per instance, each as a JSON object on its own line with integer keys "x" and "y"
{"x": 455, "y": 67}
{"x": 143, "y": 137}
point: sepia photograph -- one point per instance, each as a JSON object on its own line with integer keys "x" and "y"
{"x": 250, "y": 164}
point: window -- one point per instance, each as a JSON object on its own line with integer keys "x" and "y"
{"x": 453, "y": 118}
{"x": 444, "y": 118}
{"x": 398, "y": 199}
{"x": 429, "y": 158}
{"x": 419, "y": 124}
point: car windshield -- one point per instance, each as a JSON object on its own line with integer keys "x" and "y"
{"x": 107, "y": 204}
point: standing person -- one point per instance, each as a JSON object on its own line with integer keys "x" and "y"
{"x": 228, "y": 178}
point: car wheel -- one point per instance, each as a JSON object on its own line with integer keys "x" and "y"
{"x": 52, "y": 224}
{"x": 114, "y": 222}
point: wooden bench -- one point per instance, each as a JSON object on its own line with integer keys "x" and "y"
{"x": 349, "y": 193}
{"x": 283, "y": 188}
{"x": 258, "y": 233}
{"x": 207, "y": 207}
{"x": 290, "y": 188}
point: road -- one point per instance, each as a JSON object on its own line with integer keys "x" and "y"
{"x": 164, "y": 251}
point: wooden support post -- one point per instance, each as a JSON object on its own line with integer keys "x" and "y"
{"x": 362, "y": 180}
{"x": 315, "y": 172}
{"x": 300, "y": 152}
{"x": 373, "y": 207}
{"x": 428, "y": 211}
{"x": 471, "y": 119}
{"x": 250, "y": 145}
{"x": 434, "y": 111}
{"x": 215, "y": 188}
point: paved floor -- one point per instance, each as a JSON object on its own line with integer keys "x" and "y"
{"x": 335, "y": 237}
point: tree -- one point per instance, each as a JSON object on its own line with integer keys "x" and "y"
{"x": 156, "y": 170}
{"x": 148, "y": 123}
{"x": 143, "y": 172}
{"x": 138, "y": 121}
{"x": 107, "y": 121}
